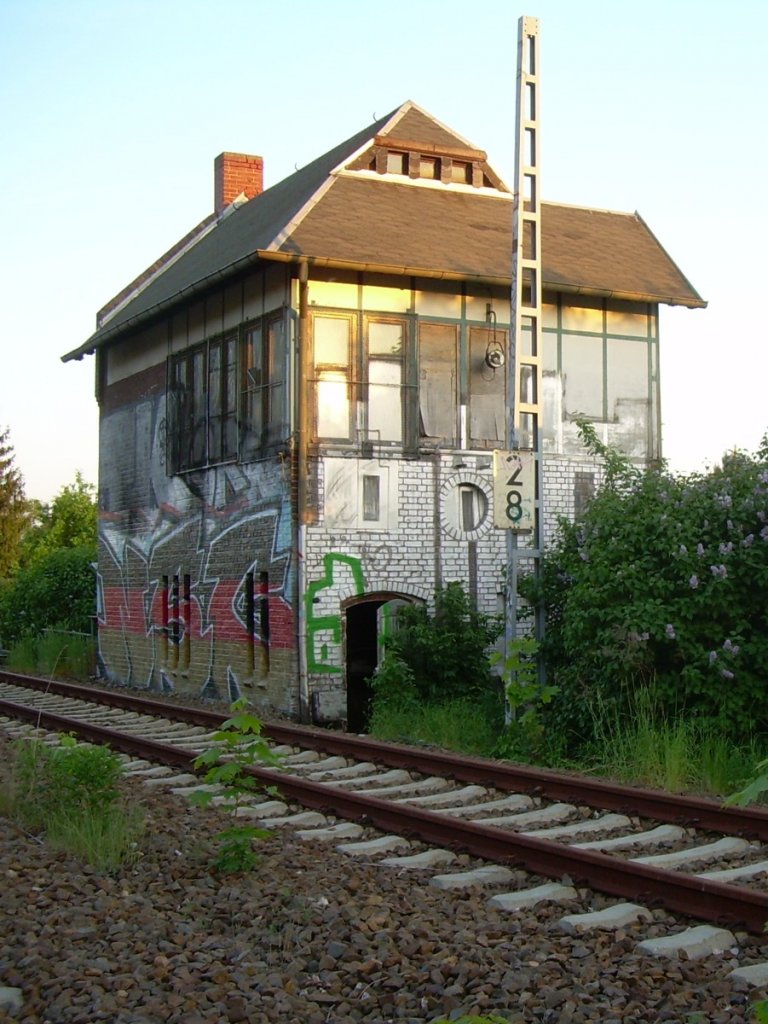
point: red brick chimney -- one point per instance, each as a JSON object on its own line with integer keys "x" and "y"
{"x": 234, "y": 173}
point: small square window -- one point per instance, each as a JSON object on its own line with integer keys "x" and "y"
{"x": 461, "y": 172}
{"x": 583, "y": 491}
{"x": 397, "y": 163}
{"x": 429, "y": 167}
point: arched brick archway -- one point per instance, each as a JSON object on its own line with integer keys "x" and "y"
{"x": 366, "y": 619}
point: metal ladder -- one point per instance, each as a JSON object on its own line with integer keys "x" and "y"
{"x": 524, "y": 386}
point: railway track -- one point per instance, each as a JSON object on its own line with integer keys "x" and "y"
{"x": 591, "y": 833}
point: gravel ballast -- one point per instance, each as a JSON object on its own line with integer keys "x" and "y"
{"x": 314, "y": 936}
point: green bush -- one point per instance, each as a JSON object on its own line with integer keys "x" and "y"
{"x": 57, "y": 591}
{"x": 662, "y": 585}
{"x": 430, "y": 659}
{"x": 70, "y": 792}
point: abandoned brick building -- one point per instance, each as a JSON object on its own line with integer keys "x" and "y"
{"x": 298, "y": 409}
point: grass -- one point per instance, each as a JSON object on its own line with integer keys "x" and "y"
{"x": 70, "y": 794}
{"x": 641, "y": 748}
{"x": 465, "y": 726}
{"x": 106, "y": 838}
{"x": 54, "y": 653}
{"x": 674, "y": 754}
{"x": 22, "y": 656}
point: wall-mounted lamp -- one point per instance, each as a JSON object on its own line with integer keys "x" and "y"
{"x": 494, "y": 352}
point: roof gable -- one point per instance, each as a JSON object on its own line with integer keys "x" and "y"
{"x": 342, "y": 210}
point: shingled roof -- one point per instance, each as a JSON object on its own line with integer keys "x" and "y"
{"x": 341, "y": 210}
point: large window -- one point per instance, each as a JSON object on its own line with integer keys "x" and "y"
{"x": 263, "y": 406}
{"x": 438, "y": 382}
{"x": 360, "y": 378}
{"x": 334, "y": 380}
{"x": 202, "y": 399}
{"x": 226, "y": 397}
{"x": 384, "y": 364}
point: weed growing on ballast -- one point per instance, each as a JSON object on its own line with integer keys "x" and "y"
{"x": 239, "y": 746}
{"x": 70, "y": 792}
{"x": 526, "y": 695}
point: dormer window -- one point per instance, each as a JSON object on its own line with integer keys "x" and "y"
{"x": 397, "y": 163}
{"x": 429, "y": 167}
{"x": 461, "y": 172}
{"x": 427, "y": 161}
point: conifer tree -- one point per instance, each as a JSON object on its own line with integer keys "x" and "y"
{"x": 14, "y": 508}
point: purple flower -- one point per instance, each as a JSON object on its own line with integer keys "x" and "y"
{"x": 693, "y": 582}
{"x": 729, "y": 524}
{"x": 669, "y": 629}
{"x": 748, "y": 541}
{"x": 718, "y": 571}
{"x": 726, "y": 549}
{"x": 712, "y": 657}
{"x": 683, "y": 549}
{"x": 764, "y": 533}
{"x": 724, "y": 500}
{"x": 699, "y": 549}
{"x": 731, "y": 647}
{"x": 726, "y": 674}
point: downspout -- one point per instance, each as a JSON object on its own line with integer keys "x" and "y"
{"x": 302, "y": 468}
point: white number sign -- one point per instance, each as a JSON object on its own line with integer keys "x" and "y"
{"x": 514, "y": 490}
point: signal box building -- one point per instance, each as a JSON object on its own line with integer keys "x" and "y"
{"x": 300, "y": 401}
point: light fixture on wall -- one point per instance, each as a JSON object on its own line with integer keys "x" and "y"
{"x": 494, "y": 351}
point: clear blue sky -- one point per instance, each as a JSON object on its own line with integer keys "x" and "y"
{"x": 112, "y": 113}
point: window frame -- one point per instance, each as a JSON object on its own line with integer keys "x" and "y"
{"x": 427, "y": 327}
{"x": 206, "y": 406}
{"x": 356, "y": 374}
{"x": 269, "y": 395}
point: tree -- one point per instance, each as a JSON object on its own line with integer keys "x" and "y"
{"x": 58, "y": 591}
{"x": 438, "y": 658}
{"x": 660, "y": 588}
{"x": 70, "y": 521}
{"x": 14, "y": 508}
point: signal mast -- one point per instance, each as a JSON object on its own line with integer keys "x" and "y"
{"x": 518, "y": 471}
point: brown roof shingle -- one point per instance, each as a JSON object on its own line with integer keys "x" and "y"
{"x": 328, "y": 213}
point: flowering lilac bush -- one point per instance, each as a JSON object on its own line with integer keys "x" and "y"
{"x": 662, "y": 584}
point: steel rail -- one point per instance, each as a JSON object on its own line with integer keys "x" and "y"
{"x": 691, "y": 895}
{"x": 690, "y": 811}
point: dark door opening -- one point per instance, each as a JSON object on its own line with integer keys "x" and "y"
{"x": 361, "y": 660}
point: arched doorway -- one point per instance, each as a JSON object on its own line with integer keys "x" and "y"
{"x": 366, "y": 620}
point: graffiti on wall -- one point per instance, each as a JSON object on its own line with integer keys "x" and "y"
{"x": 324, "y": 636}
{"x": 214, "y": 529}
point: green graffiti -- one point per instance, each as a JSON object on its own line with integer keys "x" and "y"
{"x": 317, "y": 623}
